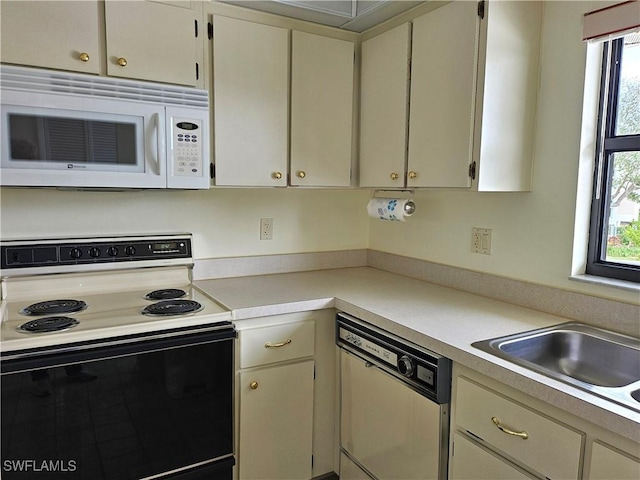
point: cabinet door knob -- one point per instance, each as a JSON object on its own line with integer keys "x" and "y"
{"x": 84, "y": 57}
{"x": 301, "y": 174}
{"x": 253, "y": 385}
{"x": 412, "y": 175}
{"x": 277, "y": 175}
{"x": 394, "y": 176}
{"x": 523, "y": 435}
{"x": 122, "y": 61}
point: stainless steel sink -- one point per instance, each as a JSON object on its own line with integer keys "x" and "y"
{"x": 596, "y": 360}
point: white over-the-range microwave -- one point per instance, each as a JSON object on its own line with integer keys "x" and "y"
{"x": 60, "y": 129}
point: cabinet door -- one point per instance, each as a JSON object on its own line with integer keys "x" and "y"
{"x": 549, "y": 447}
{"x": 384, "y": 95}
{"x": 509, "y": 64}
{"x": 151, "y": 41}
{"x": 321, "y": 110}
{"x": 250, "y": 84}
{"x": 469, "y": 461}
{"x": 61, "y": 35}
{"x": 443, "y": 87}
{"x": 608, "y": 464}
{"x": 276, "y": 422}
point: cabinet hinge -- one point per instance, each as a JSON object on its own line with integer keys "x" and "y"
{"x": 210, "y": 30}
{"x": 314, "y": 372}
{"x": 195, "y": 22}
{"x": 311, "y": 461}
{"x": 212, "y": 171}
{"x": 472, "y": 170}
{"x": 197, "y": 71}
{"x": 481, "y": 9}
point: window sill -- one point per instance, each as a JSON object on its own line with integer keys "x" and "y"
{"x": 607, "y": 282}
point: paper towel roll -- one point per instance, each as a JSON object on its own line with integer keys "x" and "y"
{"x": 394, "y": 209}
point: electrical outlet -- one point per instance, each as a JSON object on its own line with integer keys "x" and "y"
{"x": 266, "y": 229}
{"x": 481, "y": 240}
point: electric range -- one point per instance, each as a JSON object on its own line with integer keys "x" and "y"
{"x": 113, "y": 365}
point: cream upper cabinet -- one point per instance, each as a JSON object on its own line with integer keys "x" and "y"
{"x": 508, "y": 80}
{"x": 152, "y": 41}
{"x": 137, "y": 39}
{"x": 60, "y": 35}
{"x": 384, "y": 96}
{"x": 443, "y": 73}
{"x": 251, "y": 101}
{"x": 322, "y": 71}
{"x": 473, "y": 93}
{"x": 256, "y": 84}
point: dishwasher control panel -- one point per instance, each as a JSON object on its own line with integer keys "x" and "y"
{"x": 423, "y": 370}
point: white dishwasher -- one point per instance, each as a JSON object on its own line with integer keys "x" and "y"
{"x": 394, "y": 420}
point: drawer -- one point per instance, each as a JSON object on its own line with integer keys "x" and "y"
{"x": 550, "y": 448}
{"x": 276, "y": 343}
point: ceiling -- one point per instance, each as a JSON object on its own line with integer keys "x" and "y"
{"x": 353, "y": 15}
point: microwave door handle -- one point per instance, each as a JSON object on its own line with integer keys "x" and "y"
{"x": 160, "y": 142}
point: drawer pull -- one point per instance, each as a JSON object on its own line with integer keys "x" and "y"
{"x": 523, "y": 435}
{"x": 277, "y": 345}
{"x": 253, "y": 385}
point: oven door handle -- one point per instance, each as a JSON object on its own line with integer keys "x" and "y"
{"x": 14, "y": 362}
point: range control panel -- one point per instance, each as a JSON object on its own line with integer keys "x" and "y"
{"x": 86, "y": 251}
{"x": 425, "y": 371}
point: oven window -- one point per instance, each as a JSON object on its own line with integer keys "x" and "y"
{"x": 71, "y": 140}
{"x": 126, "y": 417}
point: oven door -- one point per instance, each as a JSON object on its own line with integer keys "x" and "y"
{"x": 125, "y": 408}
{"x": 57, "y": 140}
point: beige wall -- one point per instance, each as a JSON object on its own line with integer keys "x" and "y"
{"x": 225, "y": 222}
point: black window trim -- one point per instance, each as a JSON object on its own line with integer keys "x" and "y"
{"x": 606, "y": 145}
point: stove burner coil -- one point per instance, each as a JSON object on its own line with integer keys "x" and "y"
{"x": 165, "y": 294}
{"x": 172, "y": 307}
{"x": 53, "y": 307}
{"x": 48, "y": 324}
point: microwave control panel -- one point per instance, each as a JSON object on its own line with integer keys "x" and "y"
{"x": 187, "y": 141}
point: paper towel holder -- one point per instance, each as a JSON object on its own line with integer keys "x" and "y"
{"x": 409, "y": 193}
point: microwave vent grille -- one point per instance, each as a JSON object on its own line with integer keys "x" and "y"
{"x": 49, "y": 81}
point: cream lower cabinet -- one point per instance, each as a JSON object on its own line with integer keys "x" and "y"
{"x": 608, "y": 463}
{"x": 256, "y": 84}
{"x": 501, "y": 433}
{"x": 471, "y": 461}
{"x": 542, "y": 445}
{"x": 276, "y": 422}
{"x": 144, "y": 40}
{"x": 285, "y": 391}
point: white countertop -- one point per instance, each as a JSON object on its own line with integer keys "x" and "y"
{"x": 441, "y": 319}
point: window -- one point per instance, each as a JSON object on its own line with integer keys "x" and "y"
{"x": 614, "y": 236}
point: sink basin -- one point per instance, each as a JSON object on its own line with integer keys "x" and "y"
{"x": 596, "y": 360}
